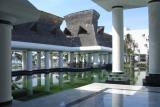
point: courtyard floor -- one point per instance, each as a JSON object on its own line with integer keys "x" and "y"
{"x": 98, "y": 95}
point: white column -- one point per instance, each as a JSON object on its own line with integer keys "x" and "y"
{"x": 154, "y": 37}
{"x": 106, "y": 58}
{"x": 71, "y": 59}
{"x": 5, "y": 62}
{"x": 52, "y": 62}
{"x": 95, "y": 59}
{"x": 47, "y": 66}
{"x": 60, "y": 63}
{"x": 89, "y": 59}
{"x": 24, "y": 67}
{"x": 83, "y": 60}
{"x": 52, "y": 66}
{"x": 92, "y": 55}
{"x": 29, "y": 68}
{"x": 77, "y": 58}
{"x": 72, "y": 76}
{"x": 101, "y": 59}
{"x": 117, "y": 39}
{"x": 24, "y": 60}
{"x": 38, "y": 60}
{"x": 39, "y": 67}
{"x": 110, "y": 58}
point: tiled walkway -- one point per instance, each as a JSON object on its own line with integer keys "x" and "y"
{"x": 99, "y": 95}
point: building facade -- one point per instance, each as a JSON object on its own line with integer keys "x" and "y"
{"x": 140, "y": 37}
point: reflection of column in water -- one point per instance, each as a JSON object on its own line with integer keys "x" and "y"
{"x": 95, "y": 78}
{"x": 153, "y": 99}
{"x": 102, "y": 74}
{"x": 117, "y": 100}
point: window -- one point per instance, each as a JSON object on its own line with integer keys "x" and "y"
{"x": 143, "y": 58}
{"x": 100, "y": 30}
{"x": 67, "y": 32}
{"x": 82, "y": 30}
{"x": 146, "y": 45}
{"x": 143, "y": 35}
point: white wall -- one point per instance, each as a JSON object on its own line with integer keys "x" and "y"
{"x": 141, "y": 38}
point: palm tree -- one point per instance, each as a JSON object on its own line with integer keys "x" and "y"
{"x": 130, "y": 47}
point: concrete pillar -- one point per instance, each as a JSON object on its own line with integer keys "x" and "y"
{"x": 69, "y": 58}
{"x": 77, "y": 58}
{"x": 101, "y": 59}
{"x": 106, "y": 59}
{"x": 154, "y": 43}
{"x": 47, "y": 66}
{"x": 83, "y": 60}
{"x": 72, "y": 59}
{"x": 52, "y": 61}
{"x": 72, "y": 76}
{"x": 95, "y": 59}
{"x": 60, "y": 64}
{"x": 39, "y": 67}
{"x": 117, "y": 100}
{"x": 29, "y": 68}
{"x": 92, "y": 55}
{"x": 24, "y": 67}
{"x": 154, "y": 38}
{"x": 109, "y": 58}
{"x": 5, "y": 62}
{"x": 117, "y": 39}
{"x": 89, "y": 59}
{"x": 52, "y": 66}
{"x": 24, "y": 60}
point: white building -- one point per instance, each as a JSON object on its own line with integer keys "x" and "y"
{"x": 140, "y": 37}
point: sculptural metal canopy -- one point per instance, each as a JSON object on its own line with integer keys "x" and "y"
{"x": 127, "y": 4}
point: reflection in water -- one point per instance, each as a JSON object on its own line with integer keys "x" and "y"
{"x": 117, "y": 100}
{"x": 153, "y": 99}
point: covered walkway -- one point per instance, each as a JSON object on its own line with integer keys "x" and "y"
{"x": 117, "y": 7}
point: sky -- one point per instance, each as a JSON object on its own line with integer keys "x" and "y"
{"x": 133, "y": 18}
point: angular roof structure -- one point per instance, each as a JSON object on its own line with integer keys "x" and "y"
{"x": 80, "y": 31}
{"x": 83, "y": 25}
{"x": 45, "y": 31}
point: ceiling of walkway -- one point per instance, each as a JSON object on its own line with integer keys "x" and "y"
{"x": 18, "y": 11}
{"x": 127, "y": 4}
